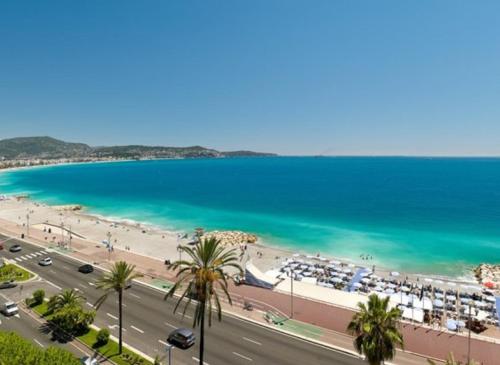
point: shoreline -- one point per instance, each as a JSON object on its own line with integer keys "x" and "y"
{"x": 164, "y": 241}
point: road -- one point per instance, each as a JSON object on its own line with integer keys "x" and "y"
{"x": 148, "y": 319}
{"x": 29, "y": 327}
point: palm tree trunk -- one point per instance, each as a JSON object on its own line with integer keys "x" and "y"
{"x": 120, "y": 293}
{"x": 202, "y": 334}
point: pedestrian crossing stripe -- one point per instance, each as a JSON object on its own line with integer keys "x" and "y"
{"x": 18, "y": 259}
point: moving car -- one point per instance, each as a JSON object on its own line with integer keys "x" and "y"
{"x": 45, "y": 262}
{"x": 182, "y": 337}
{"x": 86, "y": 269}
{"x": 15, "y": 248}
{"x": 8, "y": 284}
{"x": 10, "y": 308}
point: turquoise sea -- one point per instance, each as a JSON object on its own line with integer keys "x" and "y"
{"x": 432, "y": 215}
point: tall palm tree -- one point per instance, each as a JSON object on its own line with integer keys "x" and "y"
{"x": 202, "y": 274}
{"x": 116, "y": 281}
{"x": 66, "y": 298}
{"x": 377, "y": 330}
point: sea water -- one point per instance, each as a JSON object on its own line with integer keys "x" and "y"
{"x": 427, "y": 215}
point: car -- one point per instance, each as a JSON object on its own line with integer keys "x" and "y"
{"x": 15, "y": 248}
{"x": 86, "y": 269}
{"x": 86, "y": 360}
{"x": 45, "y": 262}
{"x": 10, "y": 309}
{"x": 181, "y": 337}
{"x": 8, "y": 284}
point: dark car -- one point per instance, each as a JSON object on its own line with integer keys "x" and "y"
{"x": 86, "y": 269}
{"x": 181, "y": 337}
{"x": 8, "y": 284}
{"x": 15, "y": 248}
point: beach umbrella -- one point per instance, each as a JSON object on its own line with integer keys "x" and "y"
{"x": 489, "y": 285}
{"x": 405, "y": 289}
{"x": 395, "y": 273}
{"x": 346, "y": 270}
{"x": 365, "y": 280}
{"x": 465, "y": 300}
{"x": 438, "y": 303}
{"x": 490, "y": 299}
{"x": 438, "y": 295}
{"x": 391, "y": 285}
{"x": 461, "y": 324}
{"x": 480, "y": 304}
{"x": 389, "y": 291}
{"x": 351, "y": 265}
{"x": 357, "y": 285}
{"x": 451, "y": 324}
{"x": 378, "y": 289}
{"x": 451, "y": 298}
{"x": 336, "y": 280}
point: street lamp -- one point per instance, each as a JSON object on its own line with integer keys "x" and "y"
{"x": 179, "y": 249}
{"x": 28, "y": 224}
{"x": 292, "y": 274}
{"x": 169, "y": 350}
{"x": 109, "y": 245}
{"x": 470, "y": 327}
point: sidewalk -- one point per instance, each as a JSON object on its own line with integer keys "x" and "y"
{"x": 312, "y": 319}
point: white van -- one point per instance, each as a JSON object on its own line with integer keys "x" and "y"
{"x": 10, "y": 309}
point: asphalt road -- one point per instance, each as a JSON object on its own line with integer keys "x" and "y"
{"x": 148, "y": 319}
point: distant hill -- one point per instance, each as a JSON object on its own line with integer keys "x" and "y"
{"x": 50, "y": 148}
{"x": 41, "y": 147}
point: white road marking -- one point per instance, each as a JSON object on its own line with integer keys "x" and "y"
{"x": 29, "y": 256}
{"x": 112, "y": 326}
{"x": 24, "y": 258}
{"x": 112, "y": 316}
{"x": 137, "y": 329}
{"x": 52, "y": 271}
{"x": 170, "y": 325}
{"x": 38, "y": 342}
{"x": 163, "y": 343}
{"x": 136, "y": 296}
{"x": 90, "y": 304}
{"x": 242, "y": 356}
{"x": 83, "y": 286}
{"x": 18, "y": 259}
{"x": 54, "y": 285}
{"x": 252, "y": 341}
{"x": 91, "y": 284}
{"x": 198, "y": 360}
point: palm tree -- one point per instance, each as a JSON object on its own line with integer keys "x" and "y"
{"x": 116, "y": 281}
{"x": 377, "y": 330}
{"x": 67, "y": 298}
{"x": 202, "y": 274}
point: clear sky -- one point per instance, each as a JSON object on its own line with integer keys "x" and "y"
{"x": 292, "y": 77}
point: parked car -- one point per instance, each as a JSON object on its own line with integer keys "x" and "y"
{"x": 86, "y": 269}
{"x": 10, "y": 308}
{"x": 15, "y": 248}
{"x": 8, "y": 284}
{"x": 45, "y": 262}
{"x": 181, "y": 337}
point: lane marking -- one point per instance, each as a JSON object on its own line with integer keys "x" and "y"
{"x": 38, "y": 342}
{"x": 252, "y": 341}
{"x": 31, "y": 257}
{"x": 163, "y": 343}
{"x": 22, "y": 257}
{"x": 137, "y": 329}
{"x": 242, "y": 356}
{"x": 83, "y": 286}
{"x": 91, "y": 284}
{"x": 198, "y": 360}
{"x": 18, "y": 259}
{"x": 90, "y": 304}
{"x": 54, "y": 285}
{"x": 52, "y": 271}
{"x": 136, "y": 296}
{"x": 170, "y": 325}
{"x": 112, "y": 316}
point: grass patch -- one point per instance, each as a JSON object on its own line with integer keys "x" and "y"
{"x": 14, "y": 272}
{"x": 110, "y": 350}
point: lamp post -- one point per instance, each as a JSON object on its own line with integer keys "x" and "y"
{"x": 169, "y": 350}
{"x": 469, "y": 338}
{"x": 109, "y": 245}
{"x": 292, "y": 274}
{"x": 28, "y": 224}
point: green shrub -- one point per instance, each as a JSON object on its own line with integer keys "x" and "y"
{"x": 102, "y": 337}
{"x": 15, "y": 349}
{"x": 38, "y": 296}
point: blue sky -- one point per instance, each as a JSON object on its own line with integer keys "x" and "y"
{"x": 293, "y": 77}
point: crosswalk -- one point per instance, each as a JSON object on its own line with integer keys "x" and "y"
{"x": 32, "y": 255}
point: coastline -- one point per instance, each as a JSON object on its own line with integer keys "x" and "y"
{"x": 157, "y": 241}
